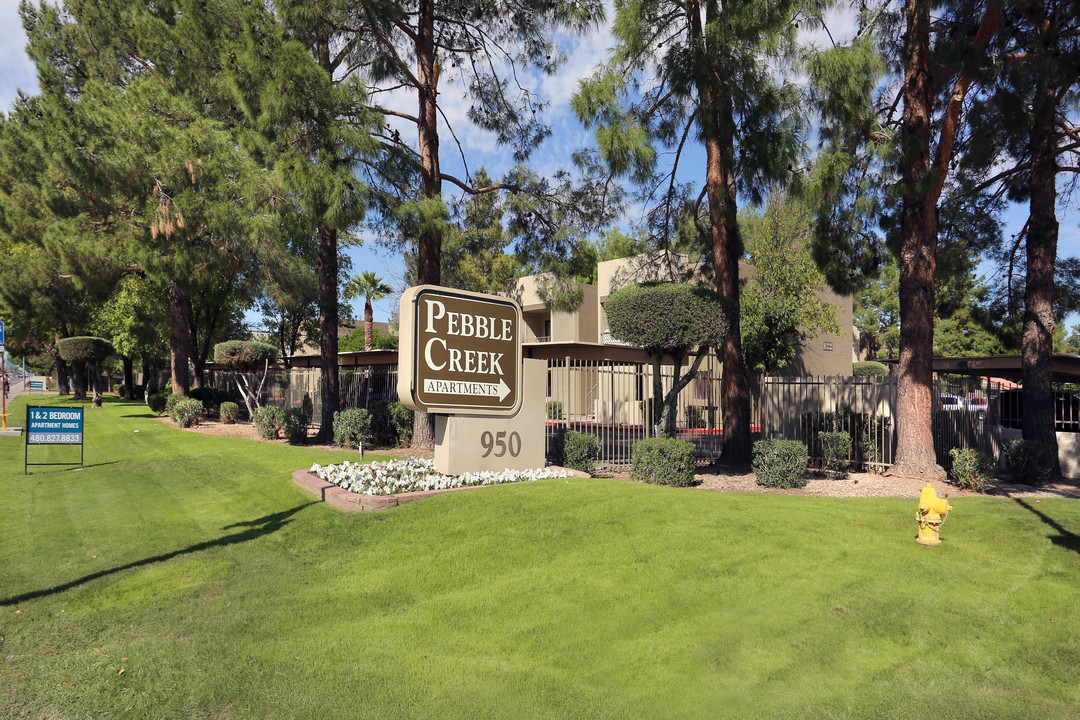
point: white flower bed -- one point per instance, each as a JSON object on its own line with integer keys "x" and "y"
{"x": 415, "y": 475}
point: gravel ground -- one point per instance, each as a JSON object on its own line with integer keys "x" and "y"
{"x": 721, "y": 480}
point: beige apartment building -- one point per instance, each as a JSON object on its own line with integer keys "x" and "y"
{"x": 593, "y": 375}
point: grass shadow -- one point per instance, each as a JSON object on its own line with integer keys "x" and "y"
{"x": 1064, "y": 538}
{"x": 255, "y": 529}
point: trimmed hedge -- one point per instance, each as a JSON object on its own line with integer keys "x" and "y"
{"x": 971, "y": 468}
{"x": 352, "y": 426}
{"x": 577, "y": 451}
{"x": 663, "y": 461}
{"x": 391, "y": 423}
{"x": 1029, "y": 462}
{"x": 667, "y": 316}
{"x": 158, "y": 401}
{"x": 268, "y": 421}
{"x": 780, "y": 463}
{"x": 554, "y": 410}
{"x": 186, "y": 411}
{"x": 84, "y": 349}
{"x": 295, "y": 425}
{"x": 869, "y": 368}
{"x": 244, "y": 354}
{"x": 229, "y": 411}
{"x": 835, "y": 447}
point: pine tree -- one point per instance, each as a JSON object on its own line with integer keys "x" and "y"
{"x": 700, "y": 71}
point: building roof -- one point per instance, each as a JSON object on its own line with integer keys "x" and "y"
{"x": 1065, "y": 368}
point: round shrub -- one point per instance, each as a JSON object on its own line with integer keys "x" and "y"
{"x": 663, "y": 461}
{"x": 158, "y": 401}
{"x": 268, "y": 421}
{"x": 244, "y": 354}
{"x": 229, "y": 412}
{"x": 835, "y": 448}
{"x": 578, "y": 450}
{"x": 869, "y": 368}
{"x": 352, "y": 426}
{"x": 170, "y": 402}
{"x": 780, "y": 463}
{"x": 186, "y": 411}
{"x": 1029, "y": 462}
{"x": 971, "y": 468}
{"x": 554, "y": 410}
{"x": 666, "y": 317}
{"x": 295, "y": 425}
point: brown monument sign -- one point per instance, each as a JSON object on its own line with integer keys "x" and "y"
{"x": 460, "y": 353}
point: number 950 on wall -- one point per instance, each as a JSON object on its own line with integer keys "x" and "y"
{"x": 498, "y": 444}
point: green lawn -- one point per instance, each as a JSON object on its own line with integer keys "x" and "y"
{"x": 223, "y": 591}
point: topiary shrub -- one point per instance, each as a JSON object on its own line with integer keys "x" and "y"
{"x": 554, "y": 410}
{"x": 869, "y": 368}
{"x": 229, "y": 411}
{"x": 84, "y": 355}
{"x": 971, "y": 468}
{"x": 186, "y": 411}
{"x": 158, "y": 402}
{"x": 352, "y": 426}
{"x": 663, "y": 461}
{"x": 1029, "y": 462}
{"x": 780, "y": 463}
{"x": 268, "y": 421}
{"x": 835, "y": 448}
{"x": 295, "y": 425}
{"x": 577, "y": 451}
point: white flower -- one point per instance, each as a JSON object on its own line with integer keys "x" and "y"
{"x": 415, "y": 474}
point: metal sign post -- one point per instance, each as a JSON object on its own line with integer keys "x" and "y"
{"x": 53, "y": 426}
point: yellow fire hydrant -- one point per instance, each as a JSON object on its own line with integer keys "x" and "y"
{"x": 932, "y": 512}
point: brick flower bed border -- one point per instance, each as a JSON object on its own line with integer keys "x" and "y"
{"x": 348, "y": 501}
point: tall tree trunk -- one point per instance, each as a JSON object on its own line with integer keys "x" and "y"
{"x": 718, "y": 133}
{"x": 79, "y": 375}
{"x": 179, "y": 338}
{"x": 97, "y": 381}
{"x": 327, "y": 269}
{"x": 1037, "y": 343}
{"x": 369, "y": 324}
{"x": 128, "y": 391}
{"x": 429, "y": 243}
{"x": 918, "y": 257}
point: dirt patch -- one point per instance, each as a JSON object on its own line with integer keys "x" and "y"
{"x": 723, "y": 480}
{"x": 866, "y": 485}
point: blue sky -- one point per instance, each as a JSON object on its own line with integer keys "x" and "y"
{"x": 480, "y": 147}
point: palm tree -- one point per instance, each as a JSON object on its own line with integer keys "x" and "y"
{"x": 371, "y": 287}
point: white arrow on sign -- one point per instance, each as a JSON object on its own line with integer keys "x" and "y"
{"x": 458, "y": 387}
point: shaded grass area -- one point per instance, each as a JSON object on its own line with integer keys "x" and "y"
{"x": 194, "y": 564}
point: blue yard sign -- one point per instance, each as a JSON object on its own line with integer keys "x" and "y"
{"x": 53, "y": 426}
{"x": 1, "y": 332}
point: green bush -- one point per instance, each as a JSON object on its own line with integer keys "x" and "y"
{"x": 554, "y": 410}
{"x": 663, "y": 461}
{"x": 244, "y": 354}
{"x": 84, "y": 349}
{"x": 295, "y": 425}
{"x": 352, "y": 426}
{"x": 186, "y": 411}
{"x": 971, "y": 468}
{"x": 229, "y": 412}
{"x": 780, "y": 463}
{"x": 268, "y": 421}
{"x": 170, "y": 402}
{"x": 391, "y": 424}
{"x": 207, "y": 395}
{"x": 695, "y": 416}
{"x": 869, "y": 368}
{"x": 835, "y": 447}
{"x": 871, "y": 435}
{"x": 158, "y": 402}
{"x": 577, "y": 451}
{"x": 1029, "y": 462}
